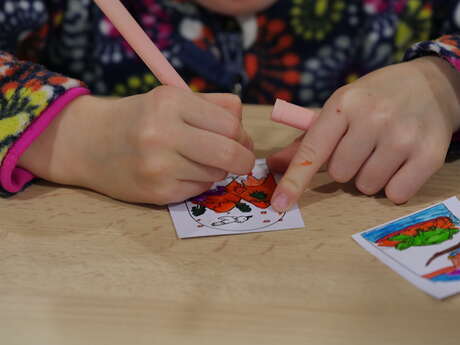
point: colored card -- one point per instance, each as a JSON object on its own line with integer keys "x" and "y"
{"x": 423, "y": 247}
{"x": 238, "y": 204}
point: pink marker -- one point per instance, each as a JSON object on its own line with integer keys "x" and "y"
{"x": 141, "y": 43}
{"x": 293, "y": 115}
{"x": 283, "y": 112}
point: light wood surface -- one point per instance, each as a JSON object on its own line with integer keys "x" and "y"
{"x": 79, "y": 268}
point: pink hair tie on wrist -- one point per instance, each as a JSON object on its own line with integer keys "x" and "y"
{"x": 292, "y": 115}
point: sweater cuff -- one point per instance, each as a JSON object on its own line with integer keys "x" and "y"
{"x": 446, "y": 47}
{"x": 13, "y": 178}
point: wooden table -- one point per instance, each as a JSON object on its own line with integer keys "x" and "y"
{"x": 79, "y": 268}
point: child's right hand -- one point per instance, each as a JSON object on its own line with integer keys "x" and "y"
{"x": 160, "y": 147}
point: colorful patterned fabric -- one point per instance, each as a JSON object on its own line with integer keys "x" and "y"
{"x": 297, "y": 50}
{"x": 26, "y": 91}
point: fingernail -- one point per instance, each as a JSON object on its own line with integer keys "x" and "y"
{"x": 281, "y": 202}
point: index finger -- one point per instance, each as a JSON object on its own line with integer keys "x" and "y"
{"x": 228, "y": 101}
{"x": 315, "y": 149}
{"x": 232, "y": 104}
{"x": 219, "y": 113}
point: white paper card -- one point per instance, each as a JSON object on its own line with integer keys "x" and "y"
{"x": 238, "y": 204}
{"x": 423, "y": 247}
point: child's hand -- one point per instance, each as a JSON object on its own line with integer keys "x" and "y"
{"x": 161, "y": 147}
{"x": 390, "y": 129}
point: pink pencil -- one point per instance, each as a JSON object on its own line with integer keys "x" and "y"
{"x": 141, "y": 43}
{"x": 283, "y": 112}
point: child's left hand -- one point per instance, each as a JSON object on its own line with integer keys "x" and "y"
{"x": 389, "y": 129}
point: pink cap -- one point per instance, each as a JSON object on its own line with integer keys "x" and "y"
{"x": 292, "y": 115}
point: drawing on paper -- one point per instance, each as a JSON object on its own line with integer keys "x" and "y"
{"x": 423, "y": 247}
{"x": 426, "y": 228}
{"x": 237, "y": 204}
{"x": 237, "y": 200}
{"x": 449, "y": 273}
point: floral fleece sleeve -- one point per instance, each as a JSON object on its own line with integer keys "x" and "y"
{"x": 446, "y": 24}
{"x": 446, "y": 30}
{"x": 30, "y": 95}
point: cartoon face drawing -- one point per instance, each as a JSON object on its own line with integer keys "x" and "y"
{"x": 238, "y": 204}
{"x": 237, "y": 200}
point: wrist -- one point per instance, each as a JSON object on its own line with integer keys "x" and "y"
{"x": 60, "y": 153}
{"x": 444, "y": 81}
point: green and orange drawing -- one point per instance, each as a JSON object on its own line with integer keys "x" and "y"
{"x": 426, "y": 233}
